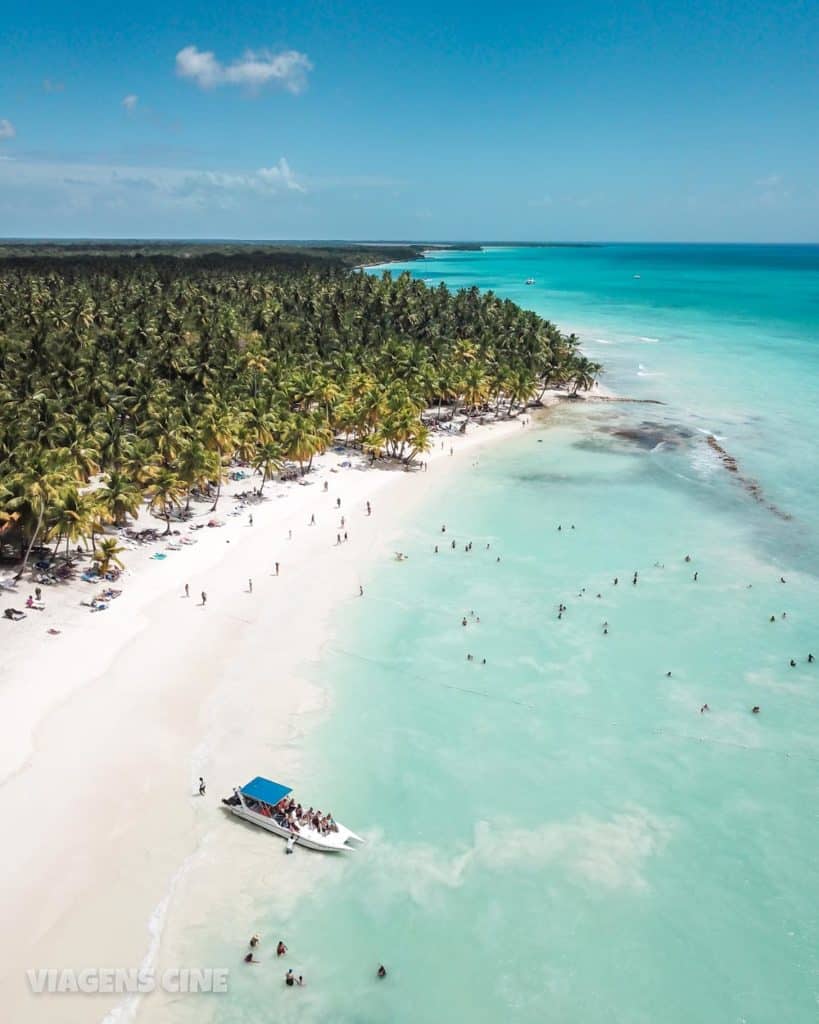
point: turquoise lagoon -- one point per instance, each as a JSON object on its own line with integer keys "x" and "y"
{"x": 561, "y": 834}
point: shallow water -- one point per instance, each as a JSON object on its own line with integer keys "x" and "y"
{"x": 561, "y": 834}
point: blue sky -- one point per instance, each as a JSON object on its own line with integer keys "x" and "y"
{"x": 536, "y": 121}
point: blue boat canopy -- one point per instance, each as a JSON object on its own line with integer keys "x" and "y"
{"x": 266, "y": 791}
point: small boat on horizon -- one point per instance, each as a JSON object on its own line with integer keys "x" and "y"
{"x": 269, "y": 804}
{"x": 529, "y": 280}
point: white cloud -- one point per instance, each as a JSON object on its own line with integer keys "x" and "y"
{"x": 167, "y": 187}
{"x": 7, "y": 129}
{"x": 130, "y": 102}
{"x": 202, "y": 186}
{"x": 287, "y": 69}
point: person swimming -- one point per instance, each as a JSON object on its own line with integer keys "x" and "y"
{"x": 755, "y": 709}
{"x": 254, "y": 941}
{"x": 793, "y": 663}
{"x": 249, "y": 959}
{"x": 289, "y": 979}
{"x": 281, "y": 949}
{"x": 704, "y": 708}
{"x": 382, "y": 971}
{"x": 811, "y": 659}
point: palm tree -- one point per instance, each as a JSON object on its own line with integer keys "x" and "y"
{"x": 165, "y": 490}
{"x": 218, "y": 429}
{"x": 268, "y": 461}
{"x": 36, "y": 490}
{"x": 108, "y": 554}
{"x": 303, "y": 438}
{"x": 582, "y": 373}
{"x": 119, "y": 496}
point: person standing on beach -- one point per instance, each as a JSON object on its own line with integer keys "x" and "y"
{"x": 201, "y": 786}
{"x": 277, "y": 568}
{"x": 250, "y": 519}
{"x": 360, "y": 590}
{"x": 187, "y": 590}
{"x": 250, "y": 586}
{"x": 204, "y": 598}
{"x": 369, "y": 509}
{"x": 313, "y": 519}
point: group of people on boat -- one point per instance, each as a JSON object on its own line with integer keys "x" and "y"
{"x": 293, "y": 816}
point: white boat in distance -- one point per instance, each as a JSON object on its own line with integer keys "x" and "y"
{"x": 529, "y": 280}
{"x": 264, "y": 803}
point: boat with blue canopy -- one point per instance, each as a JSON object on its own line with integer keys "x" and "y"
{"x": 271, "y": 806}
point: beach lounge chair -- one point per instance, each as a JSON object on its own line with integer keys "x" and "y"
{"x": 14, "y": 614}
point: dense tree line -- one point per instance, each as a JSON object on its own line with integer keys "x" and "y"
{"x": 148, "y": 376}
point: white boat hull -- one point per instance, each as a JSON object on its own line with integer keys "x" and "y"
{"x": 333, "y": 842}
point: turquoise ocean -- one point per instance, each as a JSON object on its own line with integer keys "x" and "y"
{"x": 561, "y": 835}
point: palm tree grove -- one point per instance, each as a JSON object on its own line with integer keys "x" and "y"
{"x": 128, "y": 378}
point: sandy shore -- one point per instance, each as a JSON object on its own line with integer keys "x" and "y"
{"x": 105, "y": 728}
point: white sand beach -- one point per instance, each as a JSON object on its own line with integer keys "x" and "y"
{"x": 106, "y": 726}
